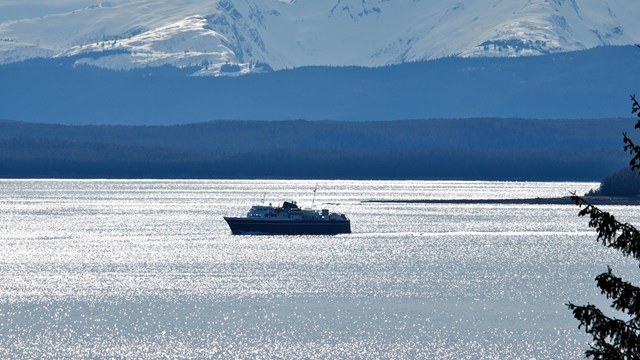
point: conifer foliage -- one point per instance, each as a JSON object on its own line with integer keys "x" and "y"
{"x": 614, "y": 338}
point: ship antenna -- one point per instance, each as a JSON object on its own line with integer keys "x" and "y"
{"x": 314, "y": 195}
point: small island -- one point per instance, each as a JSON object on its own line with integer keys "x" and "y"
{"x": 620, "y": 188}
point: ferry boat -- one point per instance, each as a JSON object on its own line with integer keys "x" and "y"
{"x": 288, "y": 219}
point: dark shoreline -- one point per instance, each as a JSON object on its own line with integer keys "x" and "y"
{"x": 566, "y": 200}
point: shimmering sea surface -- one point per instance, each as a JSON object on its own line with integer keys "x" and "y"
{"x": 149, "y": 269}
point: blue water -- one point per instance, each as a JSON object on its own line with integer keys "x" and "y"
{"x": 149, "y": 269}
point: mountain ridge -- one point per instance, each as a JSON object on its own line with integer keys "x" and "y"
{"x": 260, "y": 35}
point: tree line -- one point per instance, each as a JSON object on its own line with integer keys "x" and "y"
{"x": 495, "y": 149}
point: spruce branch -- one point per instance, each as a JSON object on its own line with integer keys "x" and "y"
{"x": 629, "y": 145}
{"x": 612, "y": 233}
{"x": 626, "y": 296}
{"x": 613, "y": 338}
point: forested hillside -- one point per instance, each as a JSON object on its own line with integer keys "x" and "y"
{"x": 585, "y": 84}
{"x": 419, "y": 149}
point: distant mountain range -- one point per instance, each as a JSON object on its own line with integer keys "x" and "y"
{"x": 235, "y": 37}
{"x": 139, "y": 61}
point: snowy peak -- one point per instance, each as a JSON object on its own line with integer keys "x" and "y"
{"x": 544, "y": 27}
{"x": 236, "y": 37}
{"x": 183, "y": 43}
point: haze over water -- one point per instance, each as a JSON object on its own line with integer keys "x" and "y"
{"x": 149, "y": 269}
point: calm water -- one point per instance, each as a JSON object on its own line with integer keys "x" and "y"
{"x": 148, "y": 269}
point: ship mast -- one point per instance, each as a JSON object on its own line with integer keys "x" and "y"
{"x": 314, "y": 195}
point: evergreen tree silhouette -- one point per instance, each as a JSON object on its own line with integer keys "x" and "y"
{"x": 614, "y": 338}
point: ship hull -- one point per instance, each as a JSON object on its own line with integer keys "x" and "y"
{"x": 243, "y": 226}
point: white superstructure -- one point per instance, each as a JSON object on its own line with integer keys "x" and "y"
{"x": 290, "y": 211}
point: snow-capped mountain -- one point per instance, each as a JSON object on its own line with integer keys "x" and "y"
{"x": 240, "y": 36}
